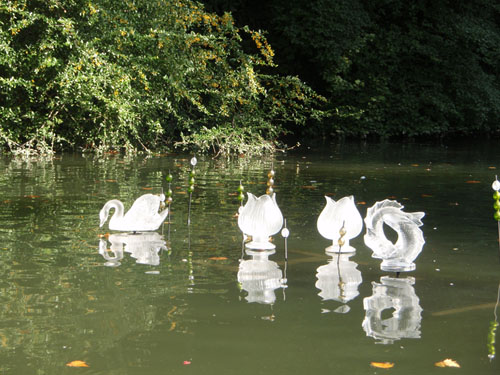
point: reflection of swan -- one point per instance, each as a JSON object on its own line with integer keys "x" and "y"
{"x": 399, "y": 295}
{"x": 399, "y": 256}
{"x": 260, "y": 277}
{"x": 144, "y": 247}
{"x": 142, "y": 216}
{"x": 336, "y": 215}
{"x": 260, "y": 218}
{"x": 339, "y": 280}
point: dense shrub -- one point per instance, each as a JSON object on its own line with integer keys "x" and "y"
{"x": 141, "y": 74}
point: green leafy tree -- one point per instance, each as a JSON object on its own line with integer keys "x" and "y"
{"x": 140, "y": 74}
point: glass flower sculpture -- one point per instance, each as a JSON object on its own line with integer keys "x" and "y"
{"x": 260, "y": 277}
{"x": 338, "y": 215}
{"x": 339, "y": 280}
{"x": 399, "y": 256}
{"x": 396, "y": 295}
{"x": 260, "y": 218}
{"x": 143, "y": 216}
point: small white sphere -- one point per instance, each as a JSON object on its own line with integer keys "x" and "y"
{"x": 496, "y": 185}
{"x": 285, "y": 232}
{"x": 193, "y": 161}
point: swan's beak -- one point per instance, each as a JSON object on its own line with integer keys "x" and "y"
{"x": 103, "y": 215}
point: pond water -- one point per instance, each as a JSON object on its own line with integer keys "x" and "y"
{"x": 187, "y": 306}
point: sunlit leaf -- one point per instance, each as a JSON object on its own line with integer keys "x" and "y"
{"x": 414, "y": 165}
{"x": 362, "y": 203}
{"x": 218, "y": 258}
{"x": 447, "y": 363}
{"x": 147, "y": 188}
{"x": 77, "y": 364}
{"x": 382, "y": 364}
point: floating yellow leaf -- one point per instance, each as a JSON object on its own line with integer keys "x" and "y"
{"x": 77, "y": 364}
{"x": 218, "y": 258}
{"x": 382, "y": 364}
{"x": 447, "y": 363}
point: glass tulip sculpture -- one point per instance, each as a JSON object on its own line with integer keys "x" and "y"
{"x": 260, "y": 218}
{"x": 336, "y": 215}
{"x": 399, "y": 256}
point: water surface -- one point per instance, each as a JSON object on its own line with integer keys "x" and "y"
{"x": 188, "y": 308}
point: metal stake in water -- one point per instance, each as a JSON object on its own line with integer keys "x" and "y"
{"x": 496, "y": 205}
{"x": 285, "y": 233}
{"x": 193, "y": 162}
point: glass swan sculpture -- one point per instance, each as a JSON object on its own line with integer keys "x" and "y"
{"x": 143, "y": 216}
{"x": 399, "y": 256}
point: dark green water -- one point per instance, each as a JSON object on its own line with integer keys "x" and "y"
{"x": 187, "y": 313}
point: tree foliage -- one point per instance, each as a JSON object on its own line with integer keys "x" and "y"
{"x": 139, "y": 74}
{"x": 389, "y": 67}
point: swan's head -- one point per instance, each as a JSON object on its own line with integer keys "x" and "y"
{"x": 103, "y": 215}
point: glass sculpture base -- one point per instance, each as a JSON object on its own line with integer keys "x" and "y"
{"x": 260, "y": 245}
{"x": 395, "y": 266}
{"x": 337, "y": 249}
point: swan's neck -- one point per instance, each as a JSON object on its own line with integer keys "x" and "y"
{"x": 119, "y": 210}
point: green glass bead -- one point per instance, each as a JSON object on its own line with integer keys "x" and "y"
{"x": 241, "y": 196}
{"x": 191, "y": 181}
{"x": 496, "y": 195}
{"x": 169, "y": 193}
{"x": 192, "y": 173}
{"x": 190, "y": 188}
{"x": 240, "y": 189}
{"x": 496, "y": 215}
{"x": 496, "y": 205}
{"x": 169, "y": 178}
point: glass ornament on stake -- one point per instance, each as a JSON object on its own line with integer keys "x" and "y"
{"x": 338, "y": 215}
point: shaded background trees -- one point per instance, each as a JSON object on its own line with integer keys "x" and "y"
{"x": 388, "y": 67}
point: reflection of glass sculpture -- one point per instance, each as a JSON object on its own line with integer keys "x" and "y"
{"x": 142, "y": 216}
{"x": 399, "y": 256}
{"x": 260, "y": 218}
{"x": 336, "y": 215}
{"x": 144, "y": 247}
{"x": 260, "y": 276}
{"x": 339, "y": 280}
{"x": 399, "y": 296}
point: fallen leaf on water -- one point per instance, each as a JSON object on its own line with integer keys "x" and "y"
{"x": 218, "y": 258}
{"x": 110, "y": 180}
{"x": 492, "y": 167}
{"x": 472, "y": 182}
{"x": 414, "y": 165}
{"x": 426, "y": 196}
{"x": 77, "y": 364}
{"x": 32, "y": 196}
{"x": 147, "y": 188}
{"x": 180, "y": 192}
{"x": 232, "y": 194}
{"x": 361, "y": 202}
{"x": 447, "y": 363}
{"x": 382, "y": 364}
{"x": 186, "y": 362}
